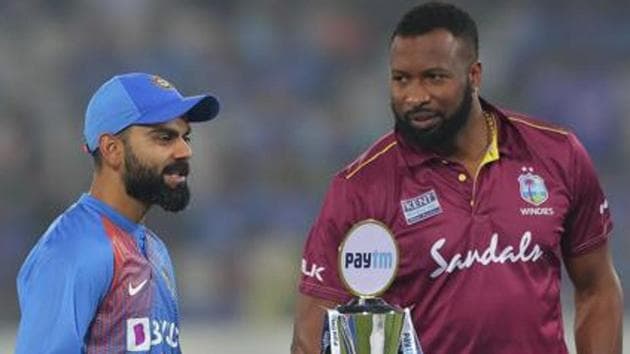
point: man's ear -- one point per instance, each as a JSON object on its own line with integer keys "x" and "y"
{"x": 475, "y": 76}
{"x": 112, "y": 149}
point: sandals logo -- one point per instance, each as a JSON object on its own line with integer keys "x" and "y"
{"x": 527, "y": 251}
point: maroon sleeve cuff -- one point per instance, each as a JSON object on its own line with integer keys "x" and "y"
{"x": 592, "y": 243}
{"x": 324, "y": 292}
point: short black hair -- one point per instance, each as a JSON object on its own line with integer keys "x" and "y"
{"x": 427, "y": 17}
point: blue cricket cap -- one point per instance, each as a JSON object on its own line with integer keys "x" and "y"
{"x": 139, "y": 98}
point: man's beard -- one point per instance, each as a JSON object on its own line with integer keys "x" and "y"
{"x": 440, "y": 138}
{"x": 147, "y": 185}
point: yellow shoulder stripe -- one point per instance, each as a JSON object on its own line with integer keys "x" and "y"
{"x": 362, "y": 164}
{"x": 537, "y": 126}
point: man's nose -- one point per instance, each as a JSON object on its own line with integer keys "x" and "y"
{"x": 182, "y": 149}
{"x": 416, "y": 95}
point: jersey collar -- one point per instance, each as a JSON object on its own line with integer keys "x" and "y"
{"x": 413, "y": 156}
{"x": 117, "y": 218}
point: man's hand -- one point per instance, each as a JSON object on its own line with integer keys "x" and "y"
{"x": 309, "y": 323}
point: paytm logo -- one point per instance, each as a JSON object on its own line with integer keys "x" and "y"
{"x": 369, "y": 260}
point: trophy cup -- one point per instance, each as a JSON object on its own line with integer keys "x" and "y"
{"x": 368, "y": 261}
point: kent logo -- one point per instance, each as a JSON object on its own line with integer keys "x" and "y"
{"x": 421, "y": 207}
{"x": 418, "y": 202}
{"x": 369, "y": 260}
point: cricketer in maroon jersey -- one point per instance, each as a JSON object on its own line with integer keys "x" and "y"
{"x": 485, "y": 206}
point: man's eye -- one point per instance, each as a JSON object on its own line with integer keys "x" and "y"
{"x": 437, "y": 77}
{"x": 399, "y": 78}
{"x": 187, "y": 138}
{"x": 164, "y": 137}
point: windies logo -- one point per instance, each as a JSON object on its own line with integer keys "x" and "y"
{"x": 532, "y": 187}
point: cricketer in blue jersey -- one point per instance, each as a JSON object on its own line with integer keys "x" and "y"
{"x": 99, "y": 281}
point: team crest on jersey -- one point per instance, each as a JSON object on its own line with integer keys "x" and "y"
{"x": 532, "y": 187}
{"x": 421, "y": 207}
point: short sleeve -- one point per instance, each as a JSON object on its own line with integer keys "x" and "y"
{"x": 589, "y": 221}
{"x": 60, "y": 287}
{"x": 319, "y": 276}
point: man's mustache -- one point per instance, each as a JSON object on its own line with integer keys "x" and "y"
{"x": 178, "y": 167}
{"x": 419, "y": 110}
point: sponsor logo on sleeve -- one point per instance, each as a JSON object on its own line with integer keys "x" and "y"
{"x": 314, "y": 271}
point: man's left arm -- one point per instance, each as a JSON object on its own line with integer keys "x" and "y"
{"x": 598, "y": 302}
{"x": 587, "y": 258}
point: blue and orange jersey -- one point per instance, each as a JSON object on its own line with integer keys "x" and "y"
{"x": 96, "y": 282}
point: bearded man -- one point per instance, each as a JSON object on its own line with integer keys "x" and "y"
{"x": 98, "y": 280}
{"x": 486, "y": 205}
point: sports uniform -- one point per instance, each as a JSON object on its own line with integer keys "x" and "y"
{"x": 480, "y": 256}
{"x": 97, "y": 282}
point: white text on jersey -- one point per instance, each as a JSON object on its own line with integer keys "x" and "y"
{"x": 314, "y": 272}
{"x": 460, "y": 261}
{"x": 537, "y": 211}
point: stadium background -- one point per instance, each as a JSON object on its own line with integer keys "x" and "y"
{"x": 304, "y": 89}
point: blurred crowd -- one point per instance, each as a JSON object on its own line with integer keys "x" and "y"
{"x": 304, "y": 89}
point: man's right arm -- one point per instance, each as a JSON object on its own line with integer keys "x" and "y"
{"x": 59, "y": 289}
{"x": 309, "y": 323}
{"x": 320, "y": 287}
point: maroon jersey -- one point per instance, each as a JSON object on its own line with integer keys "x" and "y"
{"x": 480, "y": 255}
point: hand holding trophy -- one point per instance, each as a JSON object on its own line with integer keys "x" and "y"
{"x": 368, "y": 262}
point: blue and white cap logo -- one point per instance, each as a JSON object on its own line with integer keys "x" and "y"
{"x": 368, "y": 258}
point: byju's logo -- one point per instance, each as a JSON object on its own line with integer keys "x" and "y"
{"x": 369, "y": 260}
{"x": 143, "y": 333}
{"x": 138, "y": 334}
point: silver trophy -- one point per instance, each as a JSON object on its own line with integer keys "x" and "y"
{"x": 368, "y": 262}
